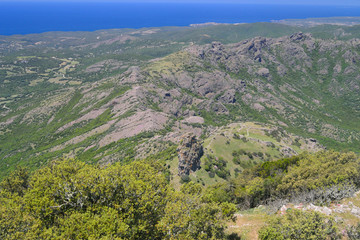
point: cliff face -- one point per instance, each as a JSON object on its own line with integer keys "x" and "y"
{"x": 189, "y": 151}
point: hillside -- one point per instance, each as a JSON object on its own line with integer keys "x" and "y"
{"x": 109, "y": 95}
{"x": 167, "y": 132}
{"x": 231, "y": 149}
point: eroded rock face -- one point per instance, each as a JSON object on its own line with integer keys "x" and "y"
{"x": 189, "y": 151}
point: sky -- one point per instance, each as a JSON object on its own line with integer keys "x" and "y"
{"x": 292, "y": 2}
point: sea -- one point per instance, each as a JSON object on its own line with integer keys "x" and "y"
{"x": 36, "y": 17}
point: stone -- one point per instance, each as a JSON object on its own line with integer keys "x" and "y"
{"x": 355, "y": 211}
{"x": 228, "y": 96}
{"x": 193, "y": 120}
{"x": 326, "y": 211}
{"x": 263, "y": 72}
{"x": 288, "y": 151}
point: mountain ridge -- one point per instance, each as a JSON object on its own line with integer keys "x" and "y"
{"x": 109, "y": 106}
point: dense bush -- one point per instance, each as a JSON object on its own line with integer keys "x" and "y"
{"x": 72, "y": 200}
{"x": 248, "y": 161}
{"x": 353, "y": 232}
{"x": 216, "y": 166}
{"x": 185, "y": 179}
{"x": 297, "y": 224}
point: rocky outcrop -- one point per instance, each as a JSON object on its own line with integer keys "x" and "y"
{"x": 288, "y": 151}
{"x": 228, "y": 97}
{"x": 189, "y": 151}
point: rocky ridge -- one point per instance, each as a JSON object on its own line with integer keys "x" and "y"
{"x": 190, "y": 150}
{"x": 305, "y": 84}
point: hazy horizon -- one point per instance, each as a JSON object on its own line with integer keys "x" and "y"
{"x": 36, "y": 16}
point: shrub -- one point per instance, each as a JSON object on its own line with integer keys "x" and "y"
{"x": 222, "y": 173}
{"x": 216, "y": 166}
{"x": 236, "y": 160}
{"x": 297, "y": 224}
{"x": 207, "y": 167}
{"x": 185, "y": 179}
{"x": 353, "y": 232}
{"x": 242, "y": 152}
{"x": 235, "y": 154}
{"x": 236, "y": 136}
{"x": 17, "y": 182}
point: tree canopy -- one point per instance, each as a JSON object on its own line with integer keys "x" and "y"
{"x": 69, "y": 199}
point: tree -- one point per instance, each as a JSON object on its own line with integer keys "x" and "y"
{"x": 17, "y": 182}
{"x": 69, "y": 199}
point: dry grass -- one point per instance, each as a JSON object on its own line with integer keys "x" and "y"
{"x": 248, "y": 223}
{"x": 347, "y": 217}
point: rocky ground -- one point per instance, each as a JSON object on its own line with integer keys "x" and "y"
{"x": 346, "y": 212}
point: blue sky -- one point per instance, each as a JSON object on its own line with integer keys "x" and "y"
{"x": 296, "y": 2}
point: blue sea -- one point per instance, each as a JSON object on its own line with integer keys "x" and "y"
{"x": 36, "y": 17}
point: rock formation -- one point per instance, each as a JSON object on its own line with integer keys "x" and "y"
{"x": 189, "y": 151}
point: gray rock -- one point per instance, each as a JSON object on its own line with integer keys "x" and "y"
{"x": 288, "y": 152}
{"x": 337, "y": 69}
{"x": 263, "y": 72}
{"x": 355, "y": 211}
{"x": 300, "y": 36}
{"x": 326, "y": 211}
{"x": 228, "y": 96}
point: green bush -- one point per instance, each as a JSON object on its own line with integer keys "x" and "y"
{"x": 236, "y": 160}
{"x": 216, "y": 166}
{"x": 250, "y": 155}
{"x": 353, "y": 232}
{"x": 185, "y": 179}
{"x": 297, "y": 224}
{"x": 17, "y": 182}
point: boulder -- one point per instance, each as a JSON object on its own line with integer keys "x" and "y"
{"x": 228, "y": 96}
{"x": 288, "y": 152}
{"x": 263, "y": 72}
